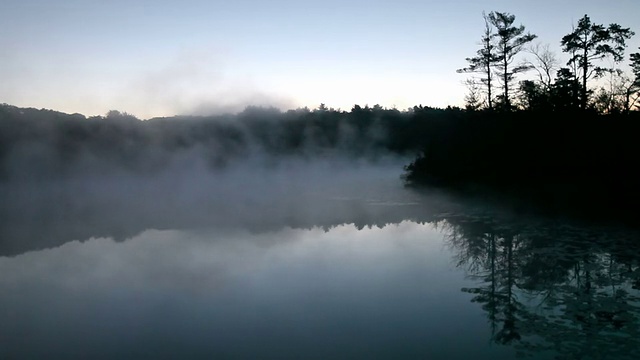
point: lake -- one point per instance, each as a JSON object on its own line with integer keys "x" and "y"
{"x": 303, "y": 260}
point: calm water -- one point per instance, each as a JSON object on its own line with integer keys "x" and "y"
{"x": 355, "y": 267}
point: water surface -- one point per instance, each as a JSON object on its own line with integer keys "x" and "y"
{"x": 296, "y": 267}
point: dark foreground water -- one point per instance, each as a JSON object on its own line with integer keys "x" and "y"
{"x": 349, "y": 266}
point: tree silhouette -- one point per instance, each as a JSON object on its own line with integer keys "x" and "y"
{"x": 566, "y": 94}
{"x": 484, "y": 61}
{"x": 635, "y": 66}
{"x": 616, "y": 96}
{"x": 473, "y": 98}
{"x": 589, "y": 42}
{"x": 632, "y": 93}
{"x": 510, "y": 41}
{"x": 544, "y": 63}
{"x": 533, "y": 96}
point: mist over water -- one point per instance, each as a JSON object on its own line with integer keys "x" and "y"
{"x": 75, "y": 178}
{"x": 253, "y": 195}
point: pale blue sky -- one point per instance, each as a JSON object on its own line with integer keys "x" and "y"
{"x": 154, "y": 58}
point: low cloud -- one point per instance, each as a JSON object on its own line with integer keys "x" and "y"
{"x": 194, "y": 82}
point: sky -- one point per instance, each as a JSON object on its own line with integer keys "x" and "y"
{"x": 163, "y": 58}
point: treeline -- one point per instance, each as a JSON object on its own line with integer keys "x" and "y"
{"x": 594, "y": 51}
{"x": 557, "y": 143}
{"x": 44, "y": 143}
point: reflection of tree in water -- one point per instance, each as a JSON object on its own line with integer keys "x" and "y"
{"x": 572, "y": 291}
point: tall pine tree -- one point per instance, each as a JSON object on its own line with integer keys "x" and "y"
{"x": 510, "y": 40}
{"x": 589, "y": 42}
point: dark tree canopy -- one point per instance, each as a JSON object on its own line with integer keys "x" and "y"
{"x": 589, "y": 42}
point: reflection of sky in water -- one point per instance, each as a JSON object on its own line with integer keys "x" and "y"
{"x": 370, "y": 293}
